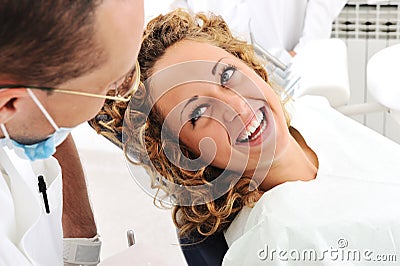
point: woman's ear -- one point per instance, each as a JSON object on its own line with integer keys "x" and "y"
{"x": 8, "y": 97}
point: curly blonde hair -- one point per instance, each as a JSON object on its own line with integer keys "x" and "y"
{"x": 161, "y": 33}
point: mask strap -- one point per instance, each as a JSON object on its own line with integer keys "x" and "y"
{"x": 5, "y": 132}
{"x": 40, "y": 106}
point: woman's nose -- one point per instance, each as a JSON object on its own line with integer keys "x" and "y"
{"x": 236, "y": 105}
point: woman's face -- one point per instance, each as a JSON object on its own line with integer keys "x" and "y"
{"x": 219, "y": 107}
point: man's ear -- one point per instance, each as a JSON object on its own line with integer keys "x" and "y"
{"x": 8, "y": 97}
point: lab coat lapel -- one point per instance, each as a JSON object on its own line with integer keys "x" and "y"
{"x": 22, "y": 181}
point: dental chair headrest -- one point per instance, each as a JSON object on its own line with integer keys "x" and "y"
{"x": 322, "y": 65}
{"x": 382, "y": 73}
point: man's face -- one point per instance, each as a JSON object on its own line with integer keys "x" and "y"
{"x": 118, "y": 30}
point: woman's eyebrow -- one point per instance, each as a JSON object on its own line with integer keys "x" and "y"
{"x": 215, "y": 66}
{"x": 194, "y": 98}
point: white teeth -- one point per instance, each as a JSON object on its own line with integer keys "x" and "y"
{"x": 252, "y": 126}
{"x": 259, "y": 115}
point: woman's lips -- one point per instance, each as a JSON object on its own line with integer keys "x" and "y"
{"x": 253, "y": 131}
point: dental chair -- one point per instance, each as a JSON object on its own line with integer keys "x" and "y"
{"x": 382, "y": 71}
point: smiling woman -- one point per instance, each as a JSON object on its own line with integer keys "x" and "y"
{"x": 212, "y": 122}
{"x": 193, "y": 109}
{"x": 213, "y": 134}
{"x": 221, "y": 110}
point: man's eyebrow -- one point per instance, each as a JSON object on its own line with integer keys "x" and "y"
{"x": 215, "y": 66}
{"x": 194, "y": 98}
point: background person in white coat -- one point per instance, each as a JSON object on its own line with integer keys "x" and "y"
{"x": 280, "y": 27}
{"x": 58, "y": 61}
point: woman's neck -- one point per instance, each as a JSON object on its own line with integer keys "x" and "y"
{"x": 298, "y": 162}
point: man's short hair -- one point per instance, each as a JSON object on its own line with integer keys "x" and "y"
{"x": 48, "y": 42}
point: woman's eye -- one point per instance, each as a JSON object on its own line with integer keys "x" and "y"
{"x": 197, "y": 113}
{"x": 227, "y": 75}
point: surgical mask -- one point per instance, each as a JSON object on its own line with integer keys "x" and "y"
{"x": 42, "y": 149}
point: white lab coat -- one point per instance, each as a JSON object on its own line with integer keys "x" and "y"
{"x": 277, "y": 26}
{"x": 28, "y": 235}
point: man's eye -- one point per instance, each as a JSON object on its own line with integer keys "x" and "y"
{"x": 197, "y": 113}
{"x": 227, "y": 74}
